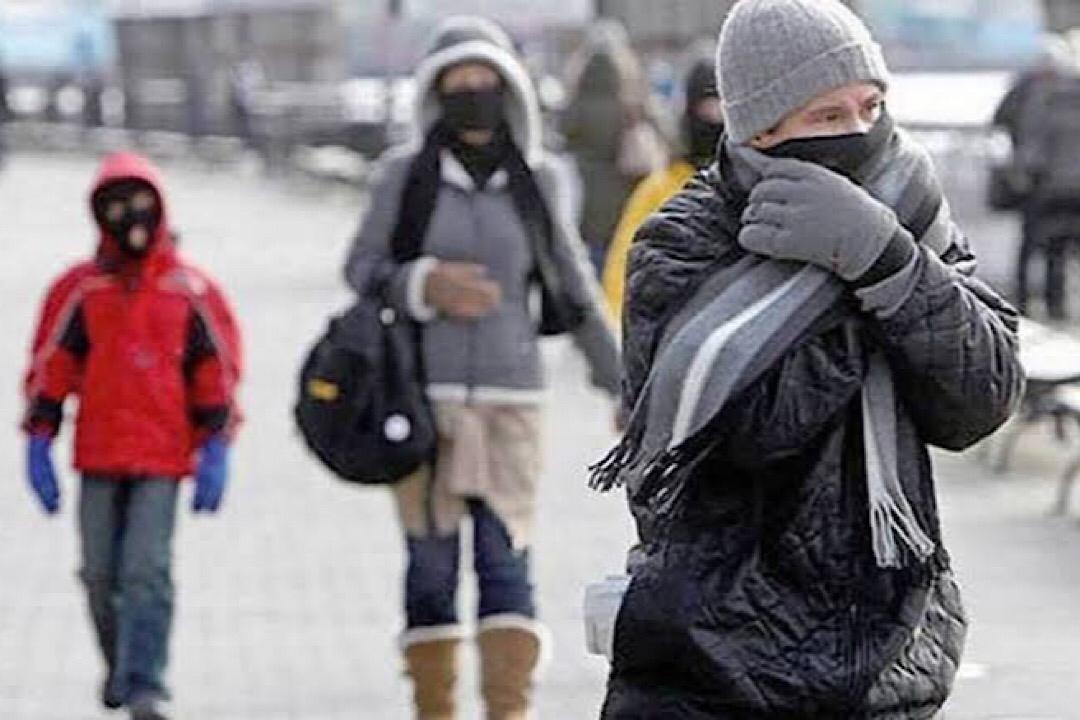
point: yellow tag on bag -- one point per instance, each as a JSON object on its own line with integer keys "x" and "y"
{"x": 323, "y": 390}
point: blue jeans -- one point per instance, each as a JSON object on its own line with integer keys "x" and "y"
{"x": 431, "y": 580}
{"x": 126, "y": 530}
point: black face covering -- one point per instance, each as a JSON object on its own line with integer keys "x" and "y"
{"x": 481, "y": 161}
{"x": 473, "y": 109}
{"x": 702, "y": 137}
{"x": 843, "y": 154}
{"x": 122, "y": 228}
{"x": 122, "y": 231}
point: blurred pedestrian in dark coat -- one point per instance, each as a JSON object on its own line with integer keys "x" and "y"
{"x": 611, "y": 131}
{"x": 1040, "y": 113}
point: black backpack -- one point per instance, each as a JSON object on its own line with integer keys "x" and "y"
{"x": 362, "y": 408}
{"x": 362, "y": 405}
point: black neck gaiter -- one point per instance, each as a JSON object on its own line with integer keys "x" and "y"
{"x": 481, "y": 161}
{"x": 847, "y": 155}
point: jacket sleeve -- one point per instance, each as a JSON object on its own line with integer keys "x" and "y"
{"x": 369, "y": 261}
{"x": 1007, "y": 113}
{"x": 213, "y": 364}
{"x": 952, "y": 343}
{"x": 57, "y": 354}
{"x": 671, "y": 253}
{"x": 595, "y": 337}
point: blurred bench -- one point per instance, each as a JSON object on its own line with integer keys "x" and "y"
{"x": 1051, "y": 360}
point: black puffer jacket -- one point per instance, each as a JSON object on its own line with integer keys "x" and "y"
{"x": 762, "y": 598}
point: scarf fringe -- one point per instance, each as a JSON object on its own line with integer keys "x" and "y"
{"x": 892, "y": 524}
{"x": 608, "y": 473}
{"x": 658, "y": 482}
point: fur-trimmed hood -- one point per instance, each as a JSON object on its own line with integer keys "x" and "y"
{"x": 464, "y": 38}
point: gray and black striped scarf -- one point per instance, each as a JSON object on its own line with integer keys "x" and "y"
{"x": 744, "y": 319}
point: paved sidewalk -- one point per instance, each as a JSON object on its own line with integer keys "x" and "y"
{"x": 288, "y": 601}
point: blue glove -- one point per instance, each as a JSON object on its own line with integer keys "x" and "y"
{"x": 39, "y": 468}
{"x": 212, "y": 474}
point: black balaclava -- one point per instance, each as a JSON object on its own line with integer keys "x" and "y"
{"x": 120, "y": 211}
{"x": 700, "y": 135}
{"x": 843, "y": 154}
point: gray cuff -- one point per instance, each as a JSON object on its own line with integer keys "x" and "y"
{"x": 885, "y": 297}
{"x": 596, "y": 339}
{"x": 415, "y": 282}
{"x": 888, "y": 260}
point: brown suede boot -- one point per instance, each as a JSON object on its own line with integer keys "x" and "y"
{"x": 508, "y": 660}
{"x": 432, "y": 665}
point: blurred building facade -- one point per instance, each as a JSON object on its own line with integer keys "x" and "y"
{"x": 666, "y": 26}
{"x": 1062, "y": 15}
{"x": 957, "y": 35}
{"x": 335, "y": 70}
{"x": 55, "y": 38}
{"x": 178, "y": 60}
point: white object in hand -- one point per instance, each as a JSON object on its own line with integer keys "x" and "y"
{"x": 602, "y": 603}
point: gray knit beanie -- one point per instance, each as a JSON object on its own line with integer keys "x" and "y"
{"x": 775, "y": 56}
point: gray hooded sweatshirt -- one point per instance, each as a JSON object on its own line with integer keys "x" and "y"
{"x": 495, "y": 359}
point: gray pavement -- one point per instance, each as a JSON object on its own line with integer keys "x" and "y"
{"x": 288, "y": 604}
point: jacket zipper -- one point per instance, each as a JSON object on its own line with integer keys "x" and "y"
{"x": 470, "y": 338}
{"x": 853, "y": 653}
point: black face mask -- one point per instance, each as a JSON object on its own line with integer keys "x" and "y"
{"x": 843, "y": 154}
{"x": 473, "y": 109}
{"x": 124, "y": 231}
{"x": 702, "y": 137}
{"x": 136, "y": 228}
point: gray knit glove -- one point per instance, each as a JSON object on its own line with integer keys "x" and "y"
{"x": 803, "y": 211}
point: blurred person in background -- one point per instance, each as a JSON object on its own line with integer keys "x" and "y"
{"x": 91, "y": 83}
{"x": 611, "y": 131}
{"x": 802, "y": 322}
{"x": 5, "y": 110}
{"x": 485, "y": 198}
{"x": 701, "y": 124}
{"x": 1041, "y": 113}
{"x": 149, "y": 346}
{"x": 246, "y": 78}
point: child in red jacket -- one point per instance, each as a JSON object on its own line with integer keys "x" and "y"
{"x": 151, "y": 349}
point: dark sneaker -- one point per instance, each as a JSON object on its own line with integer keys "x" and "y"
{"x": 148, "y": 707}
{"x": 110, "y": 697}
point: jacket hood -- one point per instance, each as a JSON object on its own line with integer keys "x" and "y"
{"x": 131, "y": 166}
{"x": 606, "y": 65}
{"x": 463, "y": 39}
{"x": 699, "y": 75}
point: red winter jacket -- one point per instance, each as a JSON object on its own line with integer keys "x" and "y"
{"x": 150, "y": 346}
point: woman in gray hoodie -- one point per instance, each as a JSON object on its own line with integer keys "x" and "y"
{"x": 501, "y": 266}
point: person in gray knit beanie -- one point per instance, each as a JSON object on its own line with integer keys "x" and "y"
{"x": 774, "y": 56}
{"x": 803, "y": 80}
{"x": 800, "y": 324}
